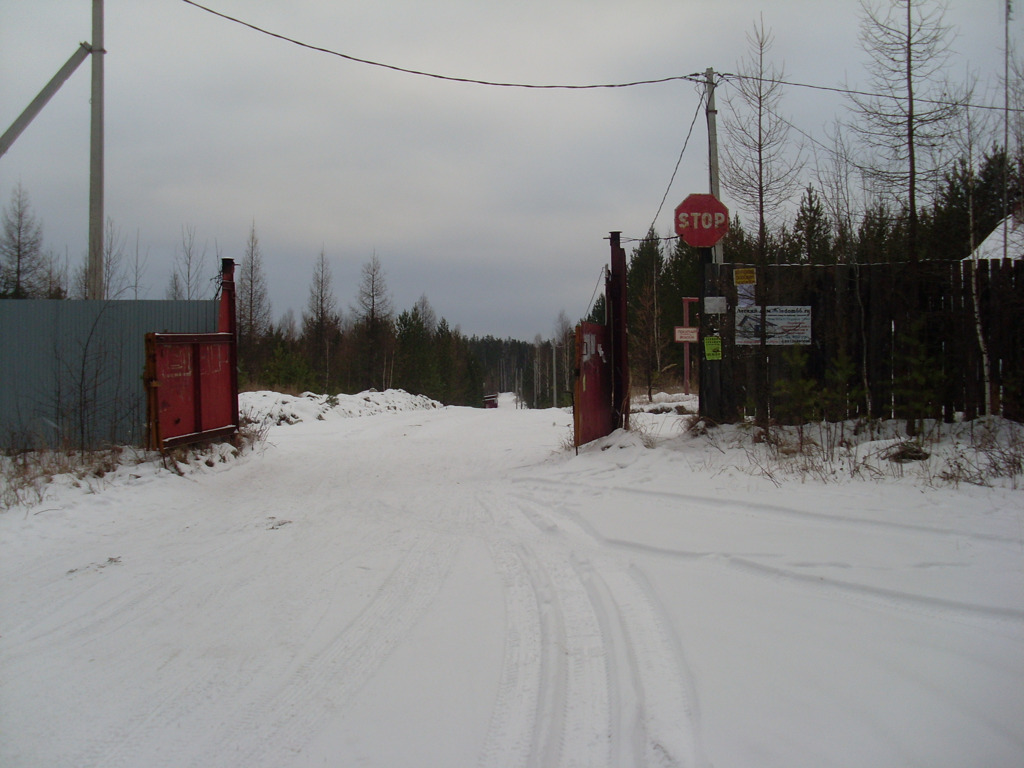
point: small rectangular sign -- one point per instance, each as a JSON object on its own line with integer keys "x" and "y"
{"x": 712, "y": 347}
{"x": 744, "y": 276}
{"x": 685, "y": 334}
{"x": 715, "y": 305}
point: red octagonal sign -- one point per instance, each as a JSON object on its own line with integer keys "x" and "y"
{"x": 701, "y": 220}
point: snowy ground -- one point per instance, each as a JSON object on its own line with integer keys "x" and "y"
{"x": 446, "y": 587}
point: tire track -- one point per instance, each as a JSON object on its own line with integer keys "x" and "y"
{"x": 553, "y": 705}
{"x": 748, "y": 508}
{"x": 614, "y": 687}
{"x": 281, "y": 719}
{"x": 657, "y": 722}
{"x": 509, "y": 738}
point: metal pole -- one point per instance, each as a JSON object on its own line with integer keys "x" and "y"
{"x": 554, "y": 375}
{"x": 1006, "y": 133}
{"x": 94, "y": 271}
{"x": 712, "y": 113}
{"x": 11, "y": 134}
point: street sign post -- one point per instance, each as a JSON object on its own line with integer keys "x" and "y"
{"x": 701, "y": 220}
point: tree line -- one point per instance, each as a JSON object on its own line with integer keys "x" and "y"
{"x": 915, "y": 171}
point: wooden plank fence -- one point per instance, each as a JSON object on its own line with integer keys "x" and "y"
{"x": 887, "y": 341}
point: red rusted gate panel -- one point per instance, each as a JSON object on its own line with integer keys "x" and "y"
{"x": 191, "y": 387}
{"x": 593, "y": 416}
{"x": 192, "y": 379}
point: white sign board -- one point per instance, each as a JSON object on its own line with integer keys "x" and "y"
{"x": 686, "y": 334}
{"x": 715, "y": 305}
{"x": 783, "y": 325}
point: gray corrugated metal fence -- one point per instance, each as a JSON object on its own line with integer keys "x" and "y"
{"x": 71, "y": 371}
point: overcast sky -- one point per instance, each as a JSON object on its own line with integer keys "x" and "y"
{"x": 494, "y": 202}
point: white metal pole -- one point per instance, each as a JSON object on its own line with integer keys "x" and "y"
{"x": 94, "y": 272}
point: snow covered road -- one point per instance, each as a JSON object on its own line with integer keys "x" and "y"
{"x": 450, "y": 587}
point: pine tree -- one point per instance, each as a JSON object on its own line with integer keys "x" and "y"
{"x": 813, "y": 230}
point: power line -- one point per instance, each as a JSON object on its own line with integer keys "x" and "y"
{"x": 689, "y": 133}
{"x": 696, "y": 77}
{"x": 726, "y": 76}
{"x": 433, "y": 75}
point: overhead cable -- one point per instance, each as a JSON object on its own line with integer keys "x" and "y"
{"x": 434, "y": 75}
{"x": 726, "y": 76}
{"x": 689, "y": 133}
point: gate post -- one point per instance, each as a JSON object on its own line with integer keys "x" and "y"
{"x": 228, "y": 323}
{"x": 616, "y": 302}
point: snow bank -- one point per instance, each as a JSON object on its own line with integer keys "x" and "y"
{"x": 276, "y": 408}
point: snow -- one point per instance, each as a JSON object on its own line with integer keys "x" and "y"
{"x": 992, "y": 246}
{"x": 386, "y": 582}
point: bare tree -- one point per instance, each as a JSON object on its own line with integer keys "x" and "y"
{"x": 187, "y": 280}
{"x": 565, "y": 339}
{"x": 21, "y": 248}
{"x": 905, "y": 125}
{"x": 53, "y": 283}
{"x": 426, "y": 312}
{"x": 116, "y": 279}
{"x": 175, "y": 289}
{"x": 759, "y": 167}
{"x": 253, "y": 306}
{"x": 836, "y": 180}
{"x": 138, "y": 268}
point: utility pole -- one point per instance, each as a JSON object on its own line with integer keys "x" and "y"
{"x": 94, "y": 271}
{"x": 554, "y": 374}
{"x": 1006, "y": 133}
{"x": 712, "y": 113}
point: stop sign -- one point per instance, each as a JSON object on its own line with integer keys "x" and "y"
{"x": 701, "y": 220}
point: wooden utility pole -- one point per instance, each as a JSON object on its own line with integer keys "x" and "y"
{"x": 713, "y": 187}
{"x": 94, "y": 269}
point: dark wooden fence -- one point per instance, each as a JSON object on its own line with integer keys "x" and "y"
{"x": 888, "y": 341}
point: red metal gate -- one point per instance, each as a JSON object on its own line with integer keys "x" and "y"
{"x": 592, "y": 411}
{"x": 192, "y": 379}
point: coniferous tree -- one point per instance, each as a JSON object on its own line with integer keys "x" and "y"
{"x": 373, "y": 326}
{"x": 647, "y": 339}
{"x": 813, "y": 230}
{"x": 904, "y": 127}
{"x": 416, "y": 364}
{"x": 22, "y": 263}
{"x": 321, "y": 324}
{"x": 252, "y": 307}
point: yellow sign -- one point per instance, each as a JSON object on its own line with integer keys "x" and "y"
{"x": 712, "y": 347}
{"x": 744, "y": 276}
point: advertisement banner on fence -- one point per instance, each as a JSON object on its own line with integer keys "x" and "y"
{"x": 783, "y": 325}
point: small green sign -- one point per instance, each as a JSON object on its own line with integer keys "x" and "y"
{"x": 712, "y": 347}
